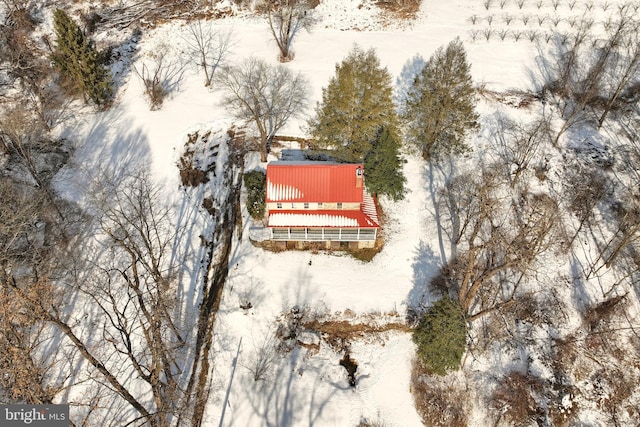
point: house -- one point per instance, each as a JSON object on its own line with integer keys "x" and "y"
{"x": 320, "y": 202}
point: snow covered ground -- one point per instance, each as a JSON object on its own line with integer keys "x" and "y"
{"x": 308, "y": 386}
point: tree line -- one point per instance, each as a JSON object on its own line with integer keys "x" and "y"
{"x": 90, "y": 302}
{"x": 518, "y": 212}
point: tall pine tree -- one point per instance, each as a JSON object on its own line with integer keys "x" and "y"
{"x": 383, "y": 166}
{"x": 440, "y": 107}
{"x": 355, "y": 104}
{"x": 79, "y": 61}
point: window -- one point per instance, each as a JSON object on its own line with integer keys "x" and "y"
{"x": 319, "y": 205}
{"x": 339, "y": 205}
{"x": 306, "y": 205}
{"x": 279, "y": 205}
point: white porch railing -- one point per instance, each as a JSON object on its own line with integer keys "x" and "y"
{"x": 323, "y": 234}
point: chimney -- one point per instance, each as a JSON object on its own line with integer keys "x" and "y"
{"x": 359, "y": 177}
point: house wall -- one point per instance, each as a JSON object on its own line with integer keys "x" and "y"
{"x": 273, "y": 206}
{"x": 365, "y": 244}
{"x": 327, "y": 245}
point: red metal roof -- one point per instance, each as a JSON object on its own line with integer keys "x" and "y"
{"x": 313, "y": 182}
{"x": 321, "y": 218}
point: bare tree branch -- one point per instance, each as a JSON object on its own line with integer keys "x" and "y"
{"x": 498, "y": 238}
{"x": 209, "y": 47}
{"x": 286, "y": 18}
{"x": 265, "y": 95}
{"x": 160, "y": 75}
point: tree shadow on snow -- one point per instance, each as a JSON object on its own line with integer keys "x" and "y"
{"x": 543, "y": 71}
{"x": 189, "y": 259}
{"x": 283, "y": 399}
{"x": 405, "y": 80}
{"x": 301, "y": 292}
{"x": 579, "y": 291}
{"x": 272, "y": 399}
{"x": 426, "y": 265}
{"x": 112, "y": 150}
{"x": 437, "y": 175}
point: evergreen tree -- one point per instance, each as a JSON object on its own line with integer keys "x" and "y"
{"x": 441, "y": 336}
{"x": 383, "y": 166}
{"x": 355, "y": 104}
{"x": 256, "y": 184}
{"x": 79, "y": 62}
{"x": 440, "y": 107}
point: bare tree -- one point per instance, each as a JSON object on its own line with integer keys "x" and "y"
{"x": 28, "y": 285}
{"x": 266, "y": 95}
{"x": 34, "y": 247}
{"x": 499, "y": 239}
{"x": 623, "y": 68}
{"x": 568, "y": 80}
{"x": 159, "y": 75}
{"x": 584, "y": 189}
{"x": 518, "y": 144}
{"x": 22, "y": 333}
{"x": 134, "y": 291}
{"x": 209, "y": 47}
{"x": 626, "y": 230}
{"x": 27, "y": 68}
{"x": 286, "y": 18}
{"x": 587, "y": 78}
{"x": 24, "y": 138}
{"x": 34, "y": 371}
{"x": 126, "y": 278}
{"x": 50, "y": 310}
{"x": 264, "y": 358}
{"x": 20, "y": 56}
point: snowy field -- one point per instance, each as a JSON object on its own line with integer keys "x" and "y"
{"x": 308, "y": 387}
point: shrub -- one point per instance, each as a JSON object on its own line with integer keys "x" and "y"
{"x": 264, "y": 359}
{"x": 515, "y": 398}
{"x": 440, "y": 402}
{"x": 255, "y": 183}
{"x": 80, "y": 63}
{"x": 441, "y": 336}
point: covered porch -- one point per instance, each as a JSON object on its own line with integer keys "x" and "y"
{"x": 317, "y": 234}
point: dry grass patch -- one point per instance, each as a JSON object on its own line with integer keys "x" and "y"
{"x": 600, "y": 315}
{"x": 334, "y": 331}
{"x": 301, "y": 327}
{"x": 515, "y": 399}
{"x": 440, "y": 401}
{"x": 401, "y": 9}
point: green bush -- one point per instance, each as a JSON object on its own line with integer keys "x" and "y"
{"x": 441, "y": 336}
{"x": 255, "y": 183}
{"x": 79, "y": 62}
